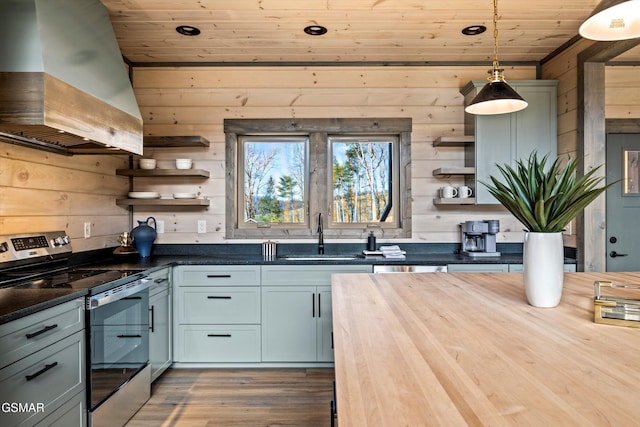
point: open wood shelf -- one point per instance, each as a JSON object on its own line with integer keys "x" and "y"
{"x": 175, "y": 141}
{"x": 163, "y": 172}
{"x": 454, "y": 171}
{"x": 454, "y": 141}
{"x": 454, "y": 201}
{"x": 162, "y": 202}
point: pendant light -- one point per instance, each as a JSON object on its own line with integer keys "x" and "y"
{"x": 613, "y": 20}
{"x": 496, "y": 97}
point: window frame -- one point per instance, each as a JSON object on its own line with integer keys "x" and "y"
{"x": 319, "y": 174}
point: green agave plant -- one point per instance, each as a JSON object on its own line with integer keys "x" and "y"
{"x": 545, "y": 200}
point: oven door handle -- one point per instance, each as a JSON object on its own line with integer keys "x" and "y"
{"x": 118, "y": 293}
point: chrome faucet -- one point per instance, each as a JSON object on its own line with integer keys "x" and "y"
{"x": 320, "y": 235}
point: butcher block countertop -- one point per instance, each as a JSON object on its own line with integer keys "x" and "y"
{"x": 458, "y": 349}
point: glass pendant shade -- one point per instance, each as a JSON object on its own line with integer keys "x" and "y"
{"x": 613, "y": 20}
{"x": 496, "y": 97}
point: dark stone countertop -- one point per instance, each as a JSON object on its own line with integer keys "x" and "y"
{"x": 16, "y": 303}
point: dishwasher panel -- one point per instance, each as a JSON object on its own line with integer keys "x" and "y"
{"x": 409, "y": 268}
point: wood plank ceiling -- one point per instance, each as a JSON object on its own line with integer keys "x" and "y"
{"x": 359, "y": 31}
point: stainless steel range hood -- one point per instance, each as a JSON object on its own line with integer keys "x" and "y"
{"x": 63, "y": 83}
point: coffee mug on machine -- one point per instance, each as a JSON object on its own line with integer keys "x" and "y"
{"x": 464, "y": 192}
{"x": 448, "y": 192}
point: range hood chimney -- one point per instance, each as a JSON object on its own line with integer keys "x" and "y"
{"x": 64, "y": 86}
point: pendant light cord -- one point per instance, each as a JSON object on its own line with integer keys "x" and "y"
{"x": 496, "y": 65}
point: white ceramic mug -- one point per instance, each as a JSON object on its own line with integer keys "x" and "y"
{"x": 448, "y": 192}
{"x": 464, "y": 192}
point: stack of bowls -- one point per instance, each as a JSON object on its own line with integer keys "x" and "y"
{"x": 183, "y": 163}
{"x": 147, "y": 163}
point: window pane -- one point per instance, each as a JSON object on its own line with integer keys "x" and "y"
{"x": 362, "y": 180}
{"x": 631, "y": 172}
{"x": 274, "y": 180}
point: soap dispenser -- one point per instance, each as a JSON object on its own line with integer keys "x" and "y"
{"x": 371, "y": 242}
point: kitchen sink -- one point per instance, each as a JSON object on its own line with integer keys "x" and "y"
{"x": 321, "y": 257}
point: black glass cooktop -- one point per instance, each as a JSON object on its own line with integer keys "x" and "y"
{"x": 71, "y": 279}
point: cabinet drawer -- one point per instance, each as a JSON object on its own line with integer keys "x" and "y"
{"x": 27, "y": 335}
{"x": 283, "y": 275}
{"x": 49, "y": 377}
{"x": 219, "y": 305}
{"x": 220, "y": 343}
{"x": 72, "y": 413}
{"x": 218, "y": 275}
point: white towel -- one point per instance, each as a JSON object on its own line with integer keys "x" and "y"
{"x": 392, "y": 252}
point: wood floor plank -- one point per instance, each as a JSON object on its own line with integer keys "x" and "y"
{"x": 239, "y": 398}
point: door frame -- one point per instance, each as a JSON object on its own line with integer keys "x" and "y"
{"x": 591, "y": 129}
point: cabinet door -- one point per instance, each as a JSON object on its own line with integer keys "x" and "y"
{"x": 160, "y": 334}
{"x": 492, "y": 147}
{"x": 535, "y": 126}
{"x": 506, "y": 138}
{"x": 324, "y": 325}
{"x": 289, "y": 324}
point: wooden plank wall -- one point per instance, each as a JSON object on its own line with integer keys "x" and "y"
{"x": 46, "y": 191}
{"x": 622, "y": 92}
{"x": 564, "y": 68}
{"x": 41, "y": 191}
{"x": 196, "y": 101}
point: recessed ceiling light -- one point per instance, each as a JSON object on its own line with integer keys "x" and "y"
{"x": 474, "y": 30}
{"x": 188, "y": 30}
{"x": 315, "y": 30}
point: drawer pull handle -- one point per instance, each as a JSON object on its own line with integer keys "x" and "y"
{"x": 41, "y": 331}
{"x": 161, "y": 279}
{"x": 219, "y": 335}
{"x": 41, "y": 371}
{"x": 219, "y": 276}
{"x": 218, "y": 297}
{"x": 129, "y": 336}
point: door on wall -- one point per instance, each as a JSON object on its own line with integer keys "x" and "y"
{"x": 623, "y": 202}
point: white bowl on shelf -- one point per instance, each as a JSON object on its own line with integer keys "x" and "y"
{"x": 147, "y": 163}
{"x": 143, "y": 195}
{"x": 183, "y": 163}
{"x": 184, "y": 195}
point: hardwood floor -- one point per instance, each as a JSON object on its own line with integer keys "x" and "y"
{"x": 239, "y": 397}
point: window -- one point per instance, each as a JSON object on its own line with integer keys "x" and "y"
{"x": 274, "y": 180}
{"x": 282, "y": 173}
{"x": 362, "y": 189}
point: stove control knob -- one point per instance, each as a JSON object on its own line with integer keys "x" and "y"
{"x": 4, "y": 247}
{"x": 66, "y": 240}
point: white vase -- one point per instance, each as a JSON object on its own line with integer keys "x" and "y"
{"x": 543, "y": 262}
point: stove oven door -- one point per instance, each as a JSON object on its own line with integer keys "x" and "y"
{"x": 119, "y": 342}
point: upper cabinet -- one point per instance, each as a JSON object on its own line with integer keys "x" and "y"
{"x": 507, "y": 138}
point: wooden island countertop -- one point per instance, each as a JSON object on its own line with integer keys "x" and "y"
{"x": 458, "y": 349}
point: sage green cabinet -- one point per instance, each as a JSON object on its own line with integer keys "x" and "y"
{"x": 296, "y": 324}
{"x": 296, "y": 311}
{"x": 217, "y": 314}
{"x": 42, "y": 362}
{"x": 160, "y": 322}
{"x": 506, "y": 138}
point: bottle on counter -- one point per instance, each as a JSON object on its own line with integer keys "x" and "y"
{"x": 371, "y": 242}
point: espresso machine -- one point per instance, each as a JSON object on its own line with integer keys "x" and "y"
{"x": 479, "y": 238}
